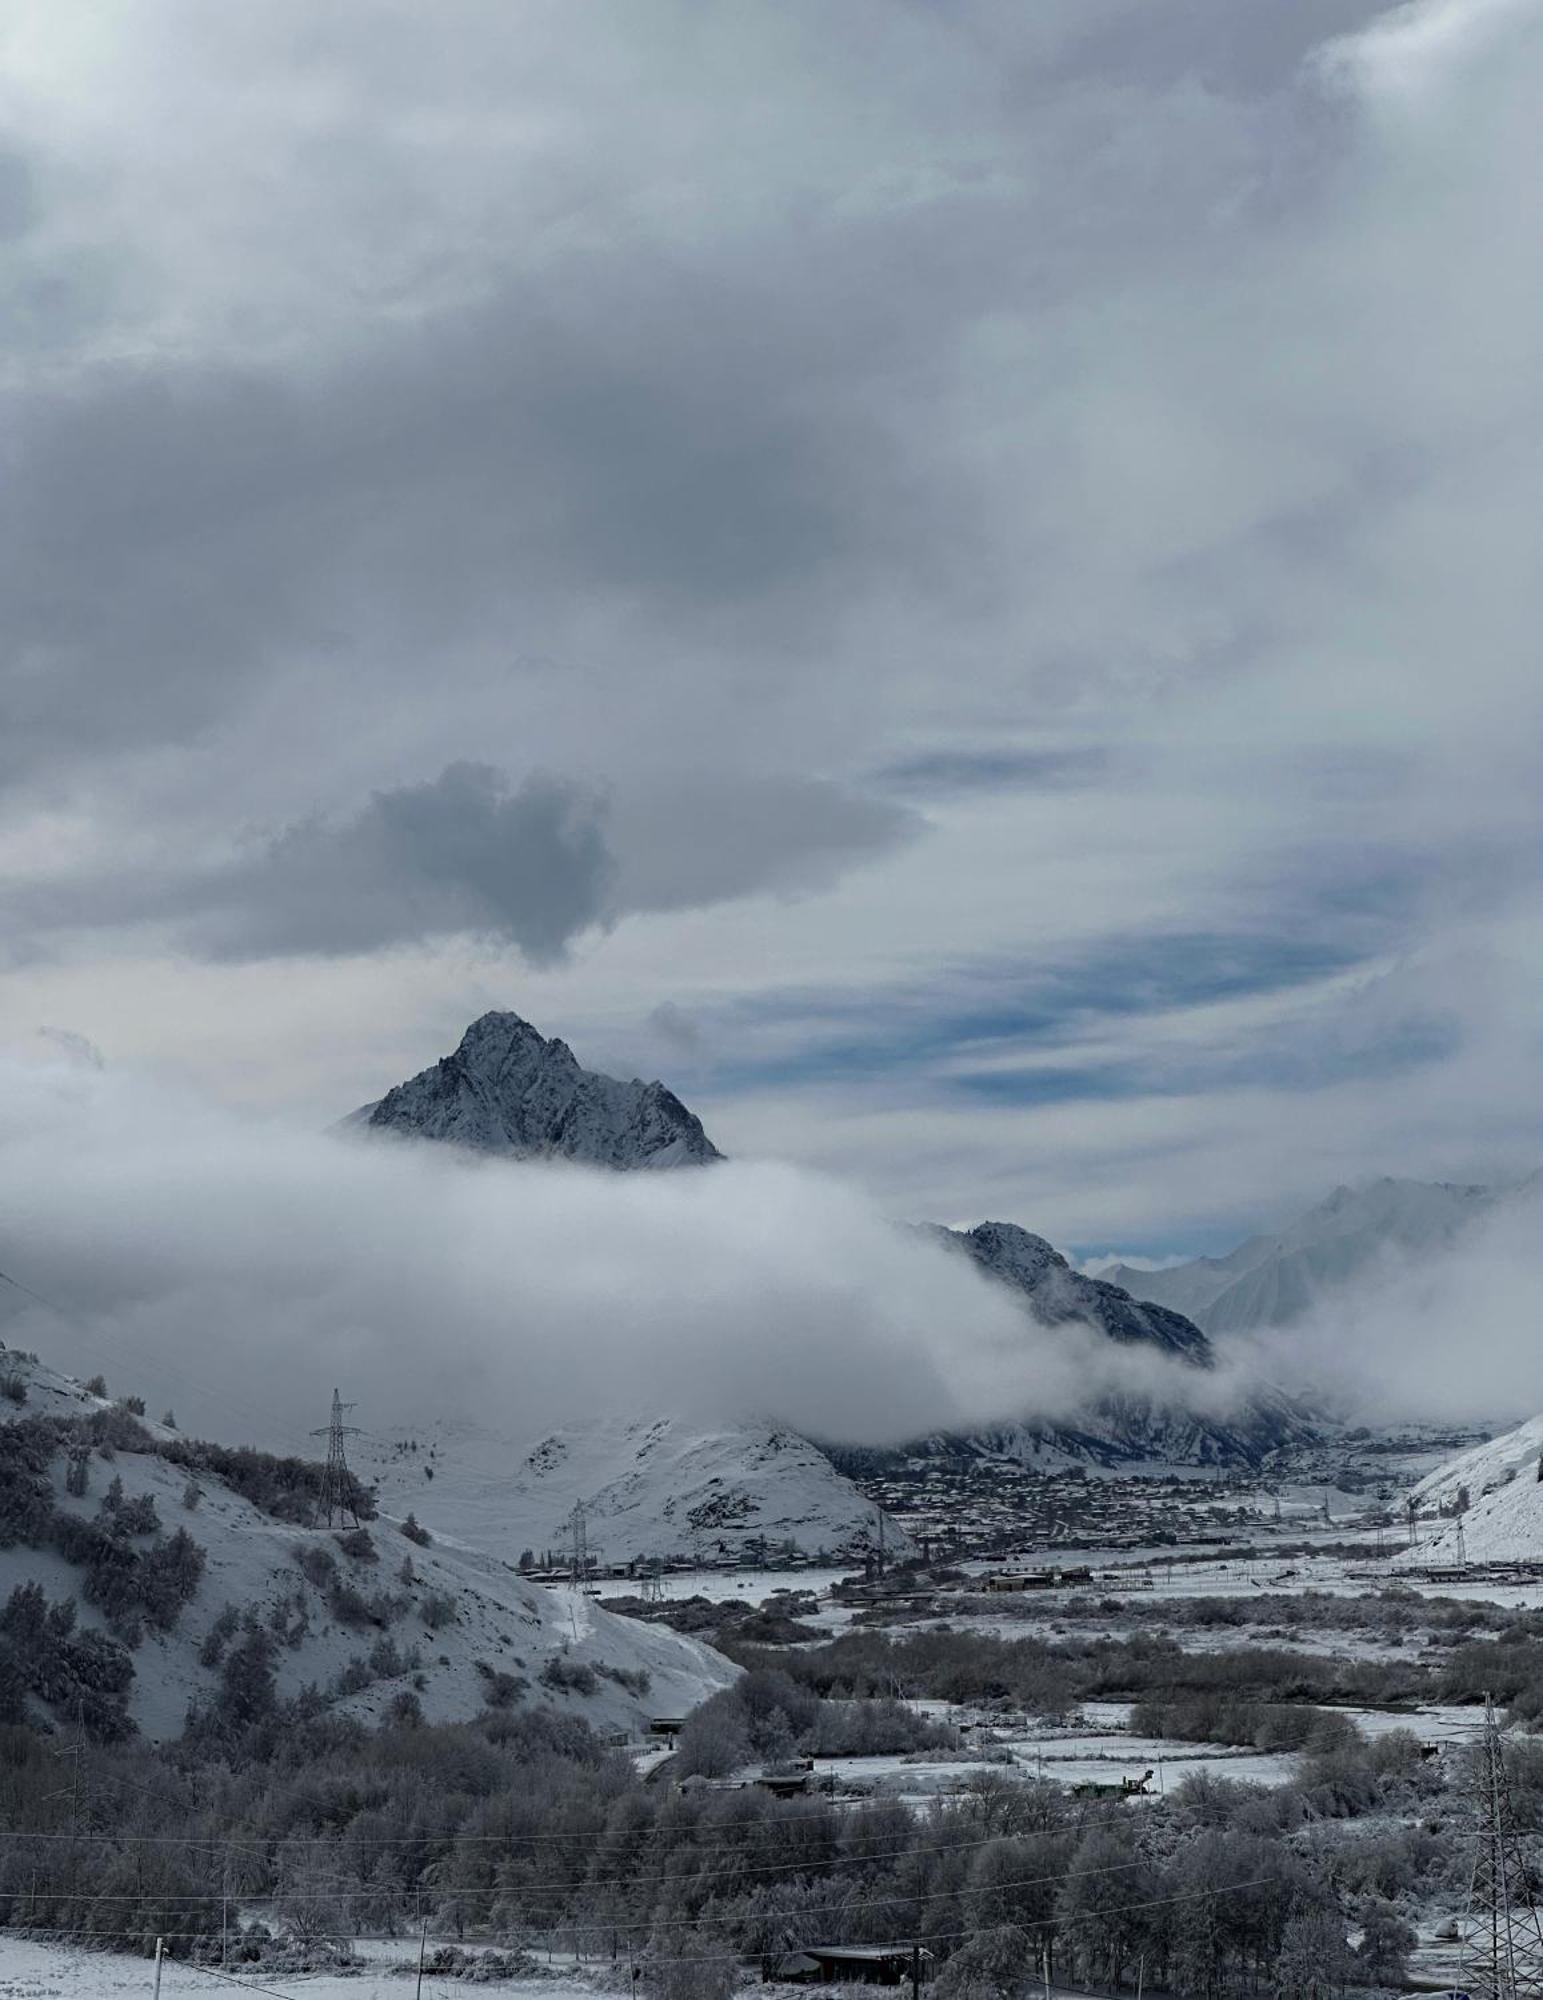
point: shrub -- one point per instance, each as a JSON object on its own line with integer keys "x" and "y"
{"x": 570, "y": 1676}
{"x": 437, "y": 1610}
{"x": 13, "y": 1387}
{"x": 416, "y": 1533}
{"x": 501, "y": 1690}
{"x": 317, "y": 1565}
{"x": 357, "y": 1545}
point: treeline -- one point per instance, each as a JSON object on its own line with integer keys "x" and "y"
{"x": 133, "y": 1573}
{"x": 767, "y": 1717}
{"x": 520, "y": 1827}
{"x": 1051, "y": 1678}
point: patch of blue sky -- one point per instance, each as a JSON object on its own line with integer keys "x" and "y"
{"x": 823, "y": 1037}
{"x": 1297, "y": 1064}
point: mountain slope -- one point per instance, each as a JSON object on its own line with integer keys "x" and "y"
{"x": 508, "y": 1089}
{"x": 1057, "y": 1295}
{"x": 357, "y": 1627}
{"x": 1124, "y": 1429}
{"x": 1484, "y": 1468}
{"x": 1273, "y": 1280}
{"x": 650, "y": 1486}
{"x": 1504, "y": 1522}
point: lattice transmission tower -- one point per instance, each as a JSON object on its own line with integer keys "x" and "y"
{"x": 578, "y": 1543}
{"x": 335, "y": 1503}
{"x": 1503, "y": 1934}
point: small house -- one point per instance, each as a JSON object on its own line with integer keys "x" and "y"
{"x": 853, "y": 1964}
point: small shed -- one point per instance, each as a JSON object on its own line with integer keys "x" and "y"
{"x": 853, "y": 1964}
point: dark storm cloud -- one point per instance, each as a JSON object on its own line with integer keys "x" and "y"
{"x": 531, "y": 865}
{"x": 463, "y": 853}
{"x": 180, "y": 532}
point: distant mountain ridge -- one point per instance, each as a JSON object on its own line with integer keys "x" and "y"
{"x": 509, "y": 1090}
{"x": 1057, "y": 1294}
{"x": 1273, "y": 1280}
{"x": 1120, "y": 1429}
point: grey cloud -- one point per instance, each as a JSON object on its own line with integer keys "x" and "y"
{"x": 733, "y": 436}
{"x": 679, "y": 1031}
{"x": 532, "y": 865}
{"x": 76, "y": 1048}
{"x": 461, "y": 853}
{"x": 709, "y": 839}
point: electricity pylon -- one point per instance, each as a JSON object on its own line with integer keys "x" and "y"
{"x": 335, "y": 1504}
{"x": 1503, "y": 1934}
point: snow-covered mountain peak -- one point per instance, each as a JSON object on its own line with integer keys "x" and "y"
{"x": 509, "y": 1089}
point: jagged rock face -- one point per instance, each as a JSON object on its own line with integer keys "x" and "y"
{"x": 1057, "y": 1294}
{"x": 509, "y": 1090}
{"x": 1123, "y": 1429}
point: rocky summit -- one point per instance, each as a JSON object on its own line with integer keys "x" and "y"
{"x": 509, "y": 1090}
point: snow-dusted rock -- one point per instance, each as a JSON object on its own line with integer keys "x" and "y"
{"x": 1057, "y": 1294}
{"x": 1129, "y": 1429}
{"x": 508, "y": 1089}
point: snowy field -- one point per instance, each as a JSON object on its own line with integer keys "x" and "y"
{"x": 31, "y": 1971}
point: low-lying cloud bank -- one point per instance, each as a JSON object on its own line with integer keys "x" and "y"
{"x": 236, "y": 1269}
{"x": 1449, "y": 1337}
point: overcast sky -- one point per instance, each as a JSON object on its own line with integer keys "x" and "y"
{"x": 959, "y": 580}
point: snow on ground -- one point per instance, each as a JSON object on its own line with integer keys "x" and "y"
{"x": 1505, "y": 1525}
{"x": 1513, "y": 1455}
{"x": 495, "y": 1617}
{"x": 650, "y": 1486}
{"x": 38, "y": 1971}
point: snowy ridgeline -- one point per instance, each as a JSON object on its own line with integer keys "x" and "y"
{"x": 654, "y": 1486}
{"x": 441, "y": 1621}
{"x": 1274, "y": 1279}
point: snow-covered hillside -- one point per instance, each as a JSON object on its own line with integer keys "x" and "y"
{"x": 1274, "y": 1279}
{"x": 1485, "y": 1467}
{"x": 439, "y": 1620}
{"x": 1505, "y": 1525}
{"x": 650, "y": 1486}
{"x": 509, "y": 1090}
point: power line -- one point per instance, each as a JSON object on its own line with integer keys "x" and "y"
{"x": 850, "y": 1815}
{"x": 857, "y": 1903}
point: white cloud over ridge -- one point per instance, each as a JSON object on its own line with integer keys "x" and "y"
{"x": 236, "y": 1269}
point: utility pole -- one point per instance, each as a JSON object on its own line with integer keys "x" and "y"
{"x": 160, "y": 1953}
{"x": 916, "y": 1972}
{"x": 1462, "y": 1545}
{"x": 882, "y": 1550}
{"x": 578, "y": 1544}
{"x": 423, "y": 1945}
{"x": 1503, "y": 1935}
{"x": 336, "y": 1502}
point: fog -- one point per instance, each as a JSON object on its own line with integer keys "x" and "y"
{"x": 1449, "y": 1337}
{"x": 234, "y": 1270}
